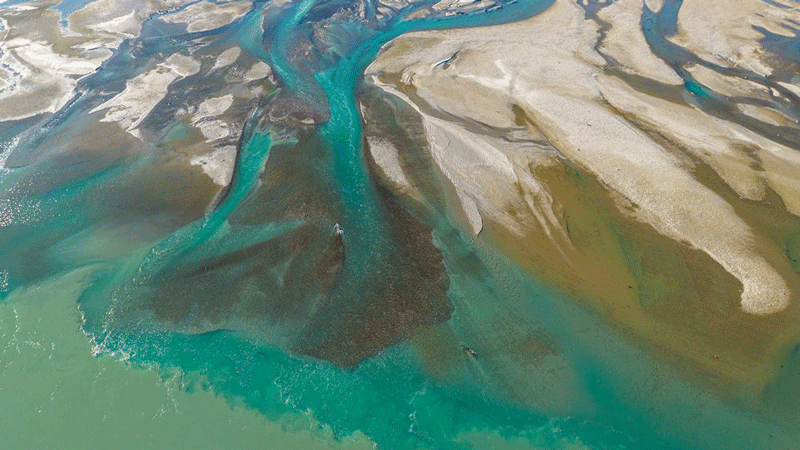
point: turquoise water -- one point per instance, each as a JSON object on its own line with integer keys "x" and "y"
{"x": 260, "y": 302}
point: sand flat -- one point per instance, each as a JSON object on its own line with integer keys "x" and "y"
{"x": 722, "y": 31}
{"x": 142, "y": 93}
{"x": 204, "y": 16}
{"x": 555, "y": 80}
{"x": 625, "y": 42}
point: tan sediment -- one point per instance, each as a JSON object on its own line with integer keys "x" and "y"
{"x": 142, "y": 93}
{"x": 227, "y": 58}
{"x": 108, "y": 19}
{"x": 736, "y": 153}
{"x": 204, "y": 16}
{"x": 46, "y": 60}
{"x": 218, "y": 164}
{"x": 128, "y": 25}
{"x": 674, "y": 221}
{"x": 484, "y": 173}
{"x": 214, "y": 130}
{"x": 209, "y": 118}
{"x": 767, "y": 115}
{"x": 663, "y": 193}
{"x": 654, "y": 5}
{"x": 40, "y": 78}
{"x": 675, "y": 297}
{"x": 259, "y": 70}
{"x": 625, "y": 42}
{"x": 575, "y": 118}
{"x": 726, "y": 85}
{"x": 212, "y": 107}
{"x": 721, "y": 31}
{"x": 386, "y": 158}
{"x": 794, "y": 88}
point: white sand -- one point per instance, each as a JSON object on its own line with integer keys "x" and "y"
{"x": 214, "y": 130}
{"x": 212, "y": 107}
{"x": 36, "y": 78}
{"x": 386, "y": 157}
{"x": 767, "y": 115}
{"x": 722, "y": 31}
{"x": 794, "y": 88}
{"x": 483, "y": 174}
{"x": 128, "y": 25}
{"x": 626, "y": 43}
{"x": 260, "y": 70}
{"x": 557, "y": 80}
{"x": 142, "y": 93}
{"x": 227, "y": 58}
{"x": 218, "y": 165}
{"x": 654, "y": 5}
{"x": 204, "y": 16}
{"x": 39, "y": 79}
{"x": 725, "y": 85}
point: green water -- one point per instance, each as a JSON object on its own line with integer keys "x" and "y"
{"x": 56, "y": 394}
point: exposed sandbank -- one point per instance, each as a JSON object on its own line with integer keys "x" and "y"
{"x": 722, "y": 31}
{"x": 557, "y": 81}
{"x": 142, "y": 93}
{"x": 204, "y": 16}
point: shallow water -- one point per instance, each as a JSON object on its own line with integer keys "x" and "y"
{"x": 303, "y": 305}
